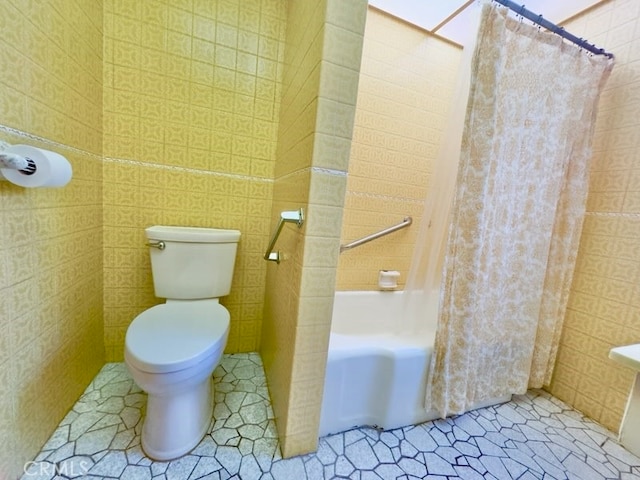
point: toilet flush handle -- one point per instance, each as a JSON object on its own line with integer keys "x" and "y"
{"x": 159, "y": 245}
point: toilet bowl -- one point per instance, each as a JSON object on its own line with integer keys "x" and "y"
{"x": 171, "y": 349}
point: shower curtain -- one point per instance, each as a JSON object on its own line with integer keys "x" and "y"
{"x": 516, "y": 215}
{"x": 422, "y": 289}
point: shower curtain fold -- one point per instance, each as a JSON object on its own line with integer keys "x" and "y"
{"x": 516, "y": 215}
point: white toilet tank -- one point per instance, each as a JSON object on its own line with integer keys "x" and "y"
{"x": 190, "y": 263}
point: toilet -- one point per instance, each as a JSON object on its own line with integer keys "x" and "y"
{"x": 171, "y": 349}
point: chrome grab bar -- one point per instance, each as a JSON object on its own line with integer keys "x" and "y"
{"x": 291, "y": 216}
{"x": 405, "y": 223}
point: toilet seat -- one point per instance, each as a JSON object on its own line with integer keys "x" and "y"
{"x": 175, "y": 336}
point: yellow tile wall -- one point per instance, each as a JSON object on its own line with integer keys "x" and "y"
{"x": 191, "y": 101}
{"x": 406, "y": 87}
{"x": 323, "y": 52}
{"x": 605, "y": 300}
{"x": 191, "y": 108}
{"x": 51, "y": 343}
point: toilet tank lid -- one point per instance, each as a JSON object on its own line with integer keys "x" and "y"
{"x": 192, "y": 234}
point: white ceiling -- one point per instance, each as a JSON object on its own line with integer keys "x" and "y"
{"x": 430, "y": 13}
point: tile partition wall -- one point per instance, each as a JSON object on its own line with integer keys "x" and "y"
{"x": 604, "y": 307}
{"x": 191, "y": 105}
{"x": 323, "y": 52}
{"x": 407, "y": 81}
{"x": 51, "y": 343}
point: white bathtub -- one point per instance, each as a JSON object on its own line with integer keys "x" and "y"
{"x": 376, "y": 375}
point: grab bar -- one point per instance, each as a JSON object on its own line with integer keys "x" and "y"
{"x": 405, "y": 223}
{"x": 292, "y": 216}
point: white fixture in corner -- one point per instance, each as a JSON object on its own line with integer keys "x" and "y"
{"x": 629, "y": 356}
{"x": 388, "y": 279}
{"x": 172, "y": 349}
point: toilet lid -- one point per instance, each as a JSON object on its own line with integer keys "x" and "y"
{"x": 174, "y": 336}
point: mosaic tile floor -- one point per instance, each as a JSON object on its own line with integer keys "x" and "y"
{"x": 535, "y": 436}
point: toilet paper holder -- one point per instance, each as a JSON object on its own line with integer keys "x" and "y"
{"x": 17, "y": 162}
{"x": 28, "y": 166}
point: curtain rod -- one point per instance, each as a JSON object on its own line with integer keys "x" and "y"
{"x": 552, "y": 27}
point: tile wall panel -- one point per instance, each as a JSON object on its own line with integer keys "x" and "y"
{"x": 51, "y": 344}
{"x": 603, "y": 307}
{"x": 301, "y": 78}
{"x": 323, "y": 51}
{"x": 192, "y": 97}
{"x": 405, "y": 88}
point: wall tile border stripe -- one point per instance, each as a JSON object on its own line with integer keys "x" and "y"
{"x": 613, "y": 214}
{"x": 386, "y": 197}
{"x": 321, "y": 170}
{"x": 194, "y": 171}
{"x": 329, "y": 171}
{"x": 46, "y": 141}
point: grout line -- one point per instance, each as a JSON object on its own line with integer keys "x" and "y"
{"x": 329, "y": 171}
{"x": 51, "y": 143}
{"x": 196, "y": 171}
{"x": 46, "y": 141}
{"x": 386, "y": 197}
{"x": 613, "y": 214}
{"x": 326, "y": 171}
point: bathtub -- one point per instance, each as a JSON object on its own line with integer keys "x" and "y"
{"x": 375, "y": 374}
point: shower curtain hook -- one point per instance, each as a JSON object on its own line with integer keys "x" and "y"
{"x": 562, "y": 34}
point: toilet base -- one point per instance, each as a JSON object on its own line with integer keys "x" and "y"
{"x": 176, "y": 423}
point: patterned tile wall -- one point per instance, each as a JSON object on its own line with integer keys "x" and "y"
{"x": 406, "y": 87}
{"x": 191, "y": 105}
{"x": 605, "y": 301}
{"x": 51, "y": 344}
{"x": 323, "y": 53}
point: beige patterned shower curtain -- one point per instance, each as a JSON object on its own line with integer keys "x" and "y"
{"x": 517, "y": 212}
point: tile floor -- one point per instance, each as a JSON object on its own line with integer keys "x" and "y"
{"x": 535, "y": 436}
